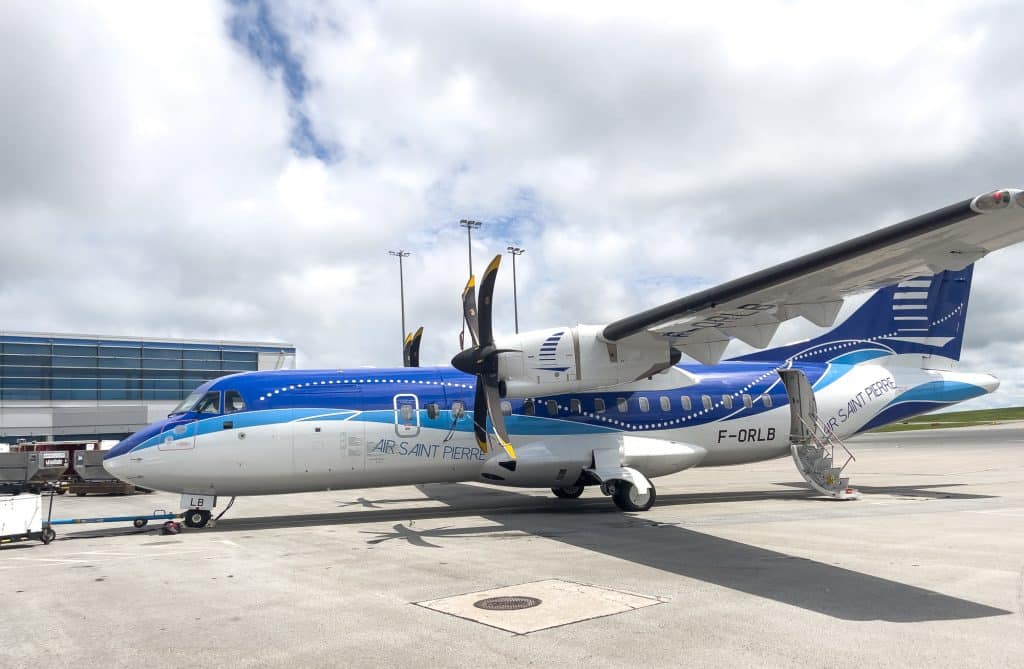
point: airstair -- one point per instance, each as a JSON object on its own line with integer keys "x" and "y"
{"x": 816, "y": 449}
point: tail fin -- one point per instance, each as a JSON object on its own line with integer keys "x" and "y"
{"x": 923, "y": 316}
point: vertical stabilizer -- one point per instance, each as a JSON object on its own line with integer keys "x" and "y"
{"x": 924, "y": 316}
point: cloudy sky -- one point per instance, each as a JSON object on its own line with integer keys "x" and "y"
{"x": 239, "y": 170}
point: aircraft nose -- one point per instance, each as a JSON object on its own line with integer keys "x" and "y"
{"x": 119, "y": 467}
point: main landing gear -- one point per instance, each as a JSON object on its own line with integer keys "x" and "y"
{"x": 626, "y": 496}
{"x": 568, "y": 492}
{"x": 623, "y": 493}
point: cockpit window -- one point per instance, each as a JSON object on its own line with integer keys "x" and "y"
{"x": 188, "y": 403}
{"x": 209, "y": 405}
{"x": 233, "y": 401}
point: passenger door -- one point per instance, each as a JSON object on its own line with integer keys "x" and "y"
{"x": 407, "y": 415}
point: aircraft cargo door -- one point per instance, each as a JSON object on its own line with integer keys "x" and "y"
{"x": 326, "y": 443}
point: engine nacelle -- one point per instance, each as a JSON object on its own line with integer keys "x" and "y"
{"x": 566, "y": 359}
{"x": 544, "y": 465}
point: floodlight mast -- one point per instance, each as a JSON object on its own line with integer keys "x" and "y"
{"x": 401, "y": 253}
{"x": 515, "y": 251}
{"x": 470, "y": 225}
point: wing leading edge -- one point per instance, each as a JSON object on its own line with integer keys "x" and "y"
{"x": 814, "y": 286}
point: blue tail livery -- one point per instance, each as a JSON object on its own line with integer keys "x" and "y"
{"x": 924, "y": 315}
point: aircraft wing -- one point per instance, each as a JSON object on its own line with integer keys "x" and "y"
{"x": 814, "y": 286}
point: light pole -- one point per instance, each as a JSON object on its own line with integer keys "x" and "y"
{"x": 515, "y": 251}
{"x": 470, "y": 225}
{"x": 401, "y": 287}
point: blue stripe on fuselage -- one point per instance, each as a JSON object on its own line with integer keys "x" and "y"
{"x": 369, "y": 395}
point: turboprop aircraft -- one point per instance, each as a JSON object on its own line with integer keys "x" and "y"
{"x": 611, "y": 406}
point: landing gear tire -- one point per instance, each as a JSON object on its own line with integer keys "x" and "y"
{"x": 568, "y": 492}
{"x": 196, "y": 518}
{"x": 627, "y": 498}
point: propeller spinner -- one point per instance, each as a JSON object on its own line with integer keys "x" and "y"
{"x": 481, "y": 360}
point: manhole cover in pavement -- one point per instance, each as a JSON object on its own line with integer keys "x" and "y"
{"x": 515, "y": 603}
{"x": 540, "y": 605}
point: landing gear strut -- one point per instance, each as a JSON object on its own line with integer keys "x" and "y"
{"x": 626, "y": 497}
{"x": 568, "y": 492}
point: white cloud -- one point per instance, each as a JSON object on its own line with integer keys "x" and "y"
{"x": 638, "y": 152}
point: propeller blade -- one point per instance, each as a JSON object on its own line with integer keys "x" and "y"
{"x": 497, "y": 417}
{"x": 486, "y": 293}
{"x": 480, "y": 415}
{"x": 407, "y": 351}
{"x": 469, "y": 310}
{"x": 414, "y": 349}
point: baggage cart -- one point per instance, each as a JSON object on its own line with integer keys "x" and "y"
{"x": 31, "y": 470}
{"x": 22, "y": 519}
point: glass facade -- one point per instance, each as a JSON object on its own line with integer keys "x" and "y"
{"x": 52, "y": 368}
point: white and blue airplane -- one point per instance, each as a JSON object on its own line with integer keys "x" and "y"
{"x": 612, "y": 405}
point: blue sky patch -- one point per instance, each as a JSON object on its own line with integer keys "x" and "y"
{"x": 252, "y": 26}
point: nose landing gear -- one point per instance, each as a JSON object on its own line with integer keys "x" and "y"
{"x": 197, "y": 517}
{"x": 200, "y": 517}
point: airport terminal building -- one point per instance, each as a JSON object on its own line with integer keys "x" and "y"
{"x": 71, "y": 386}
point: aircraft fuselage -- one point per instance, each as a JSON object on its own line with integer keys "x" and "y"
{"x": 308, "y": 430}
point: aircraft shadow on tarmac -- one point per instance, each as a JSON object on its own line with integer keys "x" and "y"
{"x": 937, "y": 491}
{"x": 375, "y": 503}
{"x": 594, "y": 524}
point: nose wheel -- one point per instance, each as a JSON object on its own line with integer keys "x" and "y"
{"x": 197, "y": 517}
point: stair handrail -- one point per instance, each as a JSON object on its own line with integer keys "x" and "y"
{"x": 832, "y": 438}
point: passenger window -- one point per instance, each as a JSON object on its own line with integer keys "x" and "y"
{"x": 433, "y": 411}
{"x": 748, "y": 401}
{"x": 210, "y": 404}
{"x": 645, "y": 404}
{"x": 552, "y": 408}
{"x": 598, "y": 405}
{"x": 458, "y": 409}
{"x": 766, "y": 400}
{"x": 666, "y": 403}
{"x": 528, "y": 408}
{"x": 622, "y": 404}
{"x": 506, "y": 408}
{"x": 575, "y": 408}
{"x": 705, "y": 400}
{"x": 727, "y": 401}
{"x": 687, "y": 404}
{"x": 233, "y": 401}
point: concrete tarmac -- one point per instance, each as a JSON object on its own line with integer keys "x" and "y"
{"x": 737, "y": 566}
